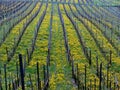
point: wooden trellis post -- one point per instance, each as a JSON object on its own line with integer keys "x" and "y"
{"x": 5, "y": 72}
{"x": 21, "y": 71}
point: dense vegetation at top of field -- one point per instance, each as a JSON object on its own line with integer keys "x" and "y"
{"x": 60, "y": 45}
